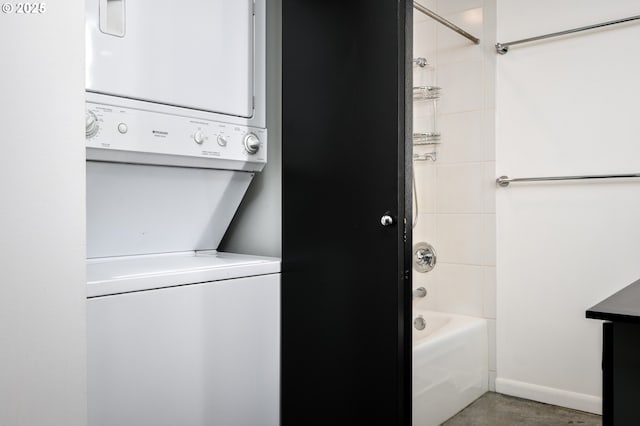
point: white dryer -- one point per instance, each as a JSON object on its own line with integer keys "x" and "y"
{"x": 176, "y": 83}
{"x": 199, "y": 55}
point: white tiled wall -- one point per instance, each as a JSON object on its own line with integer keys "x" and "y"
{"x": 456, "y": 193}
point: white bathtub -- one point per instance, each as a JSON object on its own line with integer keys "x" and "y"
{"x": 450, "y": 365}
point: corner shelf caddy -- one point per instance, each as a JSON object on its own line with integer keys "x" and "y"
{"x": 427, "y": 93}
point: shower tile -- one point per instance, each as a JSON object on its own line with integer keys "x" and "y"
{"x": 489, "y": 227}
{"x": 424, "y": 40}
{"x": 423, "y": 113}
{"x": 429, "y": 4}
{"x": 489, "y": 187}
{"x": 418, "y": 17}
{"x": 425, "y": 229}
{"x": 428, "y": 281}
{"x": 460, "y": 238}
{"x": 425, "y": 175}
{"x": 459, "y": 289}
{"x": 424, "y": 76}
{"x": 460, "y": 188}
{"x": 422, "y": 125}
{"x": 489, "y": 284}
{"x": 448, "y": 6}
{"x": 452, "y": 47}
{"x": 421, "y": 110}
{"x": 462, "y": 137}
{"x": 461, "y": 84}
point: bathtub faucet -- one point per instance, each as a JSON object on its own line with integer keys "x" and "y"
{"x": 419, "y": 292}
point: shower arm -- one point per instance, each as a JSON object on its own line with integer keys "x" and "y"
{"x": 421, "y": 62}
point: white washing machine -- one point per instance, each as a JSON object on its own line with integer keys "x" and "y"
{"x": 189, "y": 337}
{"x": 179, "y": 334}
{"x": 183, "y": 339}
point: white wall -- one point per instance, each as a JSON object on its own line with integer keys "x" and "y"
{"x": 256, "y": 228}
{"x": 565, "y": 106}
{"x": 456, "y": 192}
{"x": 42, "y": 223}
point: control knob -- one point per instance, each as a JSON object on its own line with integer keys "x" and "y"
{"x": 251, "y": 143}
{"x": 91, "y": 125}
{"x": 199, "y": 137}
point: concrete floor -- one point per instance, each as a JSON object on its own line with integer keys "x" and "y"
{"x": 494, "y": 409}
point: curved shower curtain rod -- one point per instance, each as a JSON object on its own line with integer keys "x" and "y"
{"x": 444, "y": 22}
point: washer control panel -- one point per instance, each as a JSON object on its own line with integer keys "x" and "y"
{"x": 171, "y": 139}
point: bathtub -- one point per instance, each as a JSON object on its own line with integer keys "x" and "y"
{"x": 450, "y": 365}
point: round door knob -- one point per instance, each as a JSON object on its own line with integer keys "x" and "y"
{"x": 386, "y": 220}
{"x": 91, "y": 125}
{"x": 251, "y": 143}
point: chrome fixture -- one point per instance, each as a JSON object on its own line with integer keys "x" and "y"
{"x": 421, "y": 93}
{"x": 419, "y": 323}
{"x": 424, "y": 257}
{"x": 432, "y": 156}
{"x": 421, "y": 62}
{"x": 504, "y": 181}
{"x": 503, "y": 48}
{"x": 386, "y": 220}
{"x": 446, "y": 23}
{"x": 432, "y": 94}
{"x": 419, "y": 292}
{"x": 427, "y": 138}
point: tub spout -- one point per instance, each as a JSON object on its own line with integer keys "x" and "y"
{"x": 419, "y": 292}
{"x": 419, "y": 323}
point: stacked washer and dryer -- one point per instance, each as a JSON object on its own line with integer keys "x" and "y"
{"x": 179, "y": 333}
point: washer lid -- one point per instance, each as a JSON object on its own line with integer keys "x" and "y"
{"x": 114, "y": 275}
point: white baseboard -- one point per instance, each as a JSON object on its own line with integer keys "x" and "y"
{"x": 563, "y": 398}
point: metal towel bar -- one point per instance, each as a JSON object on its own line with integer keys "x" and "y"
{"x": 504, "y": 181}
{"x": 503, "y": 48}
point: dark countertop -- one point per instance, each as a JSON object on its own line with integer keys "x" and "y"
{"x": 623, "y": 306}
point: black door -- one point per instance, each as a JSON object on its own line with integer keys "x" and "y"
{"x": 346, "y": 286}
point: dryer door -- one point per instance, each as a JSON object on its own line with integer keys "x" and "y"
{"x": 195, "y": 54}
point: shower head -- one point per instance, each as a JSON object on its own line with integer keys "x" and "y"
{"x": 421, "y": 62}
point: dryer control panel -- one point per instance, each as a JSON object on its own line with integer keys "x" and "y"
{"x": 137, "y": 136}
